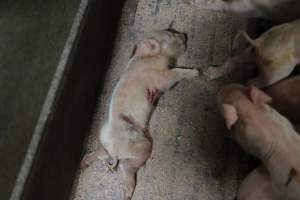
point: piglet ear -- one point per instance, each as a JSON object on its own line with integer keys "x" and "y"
{"x": 257, "y": 96}
{"x": 230, "y": 115}
{"x": 148, "y": 47}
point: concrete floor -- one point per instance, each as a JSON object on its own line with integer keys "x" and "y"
{"x": 192, "y": 156}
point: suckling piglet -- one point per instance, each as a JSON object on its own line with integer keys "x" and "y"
{"x": 267, "y": 135}
{"x": 275, "y": 53}
{"x": 124, "y": 137}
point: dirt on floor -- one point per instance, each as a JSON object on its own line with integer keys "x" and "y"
{"x": 193, "y": 157}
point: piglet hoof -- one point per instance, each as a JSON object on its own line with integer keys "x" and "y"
{"x": 212, "y": 73}
{"x": 192, "y": 73}
{"x": 85, "y": 163}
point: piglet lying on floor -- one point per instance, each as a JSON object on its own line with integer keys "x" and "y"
{"x": 286, "y": 98}
{"x": 267, "y": 135}
{"x": 279, "y": 10}
{"x": 275, "y": 53}
{"x": 124, "y": 136}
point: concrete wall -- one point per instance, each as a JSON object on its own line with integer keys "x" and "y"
{"x": 32, "y": 36}
{"x": 56, "y": 146}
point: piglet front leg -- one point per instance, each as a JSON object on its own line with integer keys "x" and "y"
{"x": 170, "y": 77}
{"x": 242, "y": 60}
{"x": 99, "y": 154}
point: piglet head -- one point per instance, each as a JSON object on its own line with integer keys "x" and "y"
{"x": 231, "y": 97}
{"x": 242, "y": 108}
{"x": 148, "y": 47}
{"x": 168, "y": 42}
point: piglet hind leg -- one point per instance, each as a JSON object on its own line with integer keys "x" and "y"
{"x": 276, "y": 68}
{"x": 130, "y": 167}
{"x": 99, "y": 154}
{"x": 272, "y": 74}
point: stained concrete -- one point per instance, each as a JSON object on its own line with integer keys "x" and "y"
{"x": 32, "y": 37}
{"x": 192, "y": 156}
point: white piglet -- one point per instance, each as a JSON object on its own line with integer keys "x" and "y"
{"x": 124, "y": 137}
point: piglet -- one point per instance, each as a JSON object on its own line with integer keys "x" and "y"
{"x": 275, "y": 53}
{"x": 279, "y": 10}
{"x": 267, "y": 135}
{"x": 124, "y": 137}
